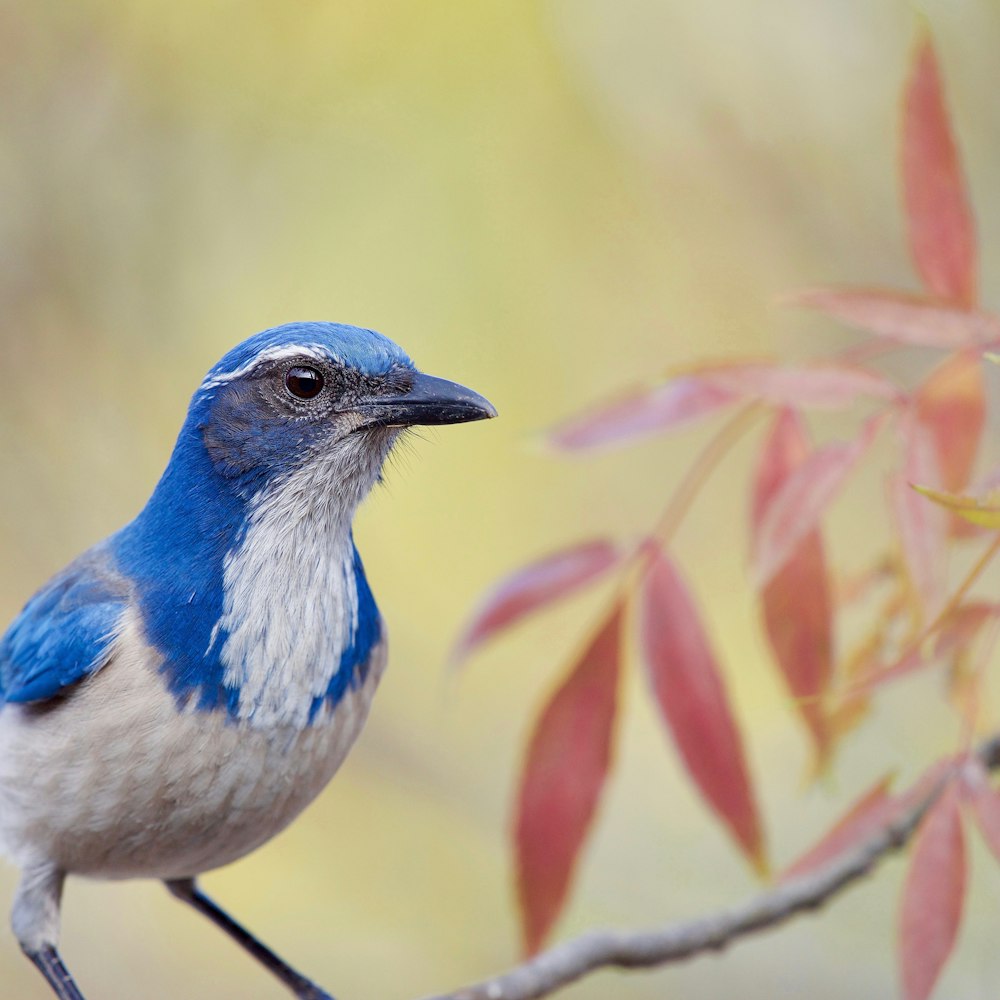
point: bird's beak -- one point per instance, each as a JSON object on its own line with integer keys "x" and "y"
{"x": 429, "y": 400}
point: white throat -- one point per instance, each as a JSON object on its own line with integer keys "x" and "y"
{"x": 290, "y": 604}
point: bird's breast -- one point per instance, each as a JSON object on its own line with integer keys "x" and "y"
{"x": 125, "y": 785}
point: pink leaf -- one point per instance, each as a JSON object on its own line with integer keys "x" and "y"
{"x": 821, "y": 385}
{"x": 564, "y": 773}
{"x": 942, "y": 231}
{"x": 951, "y": 404}
{"x": 691, "y": 695}
{"x": 786, "y": 448}
{"x": 905, "y": 319}
{"x": 922, "y": 526}
{"x": 872, "y": 812}
{"x": 534, "y": 587}
{"x": 932, "y": 897}
{"x": 644, "y": 411}
{"x": 796, "y": 603}
{"x": 797, "y": 505}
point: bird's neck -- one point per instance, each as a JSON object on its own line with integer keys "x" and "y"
{"x": 257, "y": 599}
{"x": 298, "y": 619}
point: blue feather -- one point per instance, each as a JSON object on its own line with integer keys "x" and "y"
{"x": 174, "y": 552}
{"x": 367, "y": 351}
{"x": 170, "y": 560}
{"x": 64, "y": 632}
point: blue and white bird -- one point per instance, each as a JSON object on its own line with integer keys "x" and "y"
{"x": 178, "y": 694}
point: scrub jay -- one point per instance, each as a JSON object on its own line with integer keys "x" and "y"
{"x": 177, "y": 695}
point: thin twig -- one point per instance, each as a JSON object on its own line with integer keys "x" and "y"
{"x": 565, "y": 963}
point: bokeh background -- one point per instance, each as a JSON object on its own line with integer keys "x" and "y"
{"x": 543, "y": 200}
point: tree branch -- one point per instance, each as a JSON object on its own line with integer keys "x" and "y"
{"x": 564, "y": 963}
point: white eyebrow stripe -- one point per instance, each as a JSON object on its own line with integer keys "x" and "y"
{"x": 271, "y": 354}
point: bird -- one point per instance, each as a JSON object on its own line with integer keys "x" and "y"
{"x": 179, "y": 693}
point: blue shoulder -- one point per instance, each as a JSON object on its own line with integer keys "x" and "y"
{"x": 65, "y": 631}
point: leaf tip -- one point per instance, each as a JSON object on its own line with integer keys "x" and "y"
{"x": 760, "y": 863}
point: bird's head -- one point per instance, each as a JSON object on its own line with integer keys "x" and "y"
{"x": 322, "y": 397}
{"x": 243, "y": 560}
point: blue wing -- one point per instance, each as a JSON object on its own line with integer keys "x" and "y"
{"x": 65, "y": 631}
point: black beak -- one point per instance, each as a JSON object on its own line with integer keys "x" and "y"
{"x": 429, "y": 400}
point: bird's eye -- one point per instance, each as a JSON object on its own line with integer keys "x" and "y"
{"x": 304, "y": 383}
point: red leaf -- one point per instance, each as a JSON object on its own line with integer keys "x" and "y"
{"x": 692, "y": 697}
{"x": 942, "y": 231}
{"x": 797, "y": 618}
{"x": 985, "y": 802}
{"x": 534, "y": 587}
{"x": 905, "y": 319}
{"x": 951, "y": 403}
{"x": 796, "y": 603}
{"x": 922, "y": 526}
{"x": 822, "y": 385}
{"x": 564, "y": 773}
{"x": 798, "y": 504}
{"x": 785, "y": 449}
{"x": 932, "y": 897}
{"x": 869, "y": 814}
{"x": 642, "y": 412}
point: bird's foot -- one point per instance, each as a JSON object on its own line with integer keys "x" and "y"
{"x": 312, "y": 992}
{"x": 51, "y": 966}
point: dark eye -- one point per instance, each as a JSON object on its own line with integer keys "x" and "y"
{"x": 303, "y": 383}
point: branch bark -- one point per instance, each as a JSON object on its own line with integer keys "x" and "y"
{"x": 564, "y": 963}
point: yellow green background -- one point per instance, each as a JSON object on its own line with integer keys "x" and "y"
{"x": 542, "y": 200}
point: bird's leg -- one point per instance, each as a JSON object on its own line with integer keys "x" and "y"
{"x": 51, "y": 966}
{"x": 35, "y": 921}
{"x": 185, "y": 889}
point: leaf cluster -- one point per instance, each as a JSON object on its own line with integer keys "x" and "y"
{"x": 918, "y": 618}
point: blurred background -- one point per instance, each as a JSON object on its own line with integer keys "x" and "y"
{"x": 542, "y": 200}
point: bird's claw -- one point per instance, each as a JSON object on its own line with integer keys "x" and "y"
{"x": 312, "y": 992}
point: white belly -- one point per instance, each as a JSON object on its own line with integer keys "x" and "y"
{"x": 113, "y": 781}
